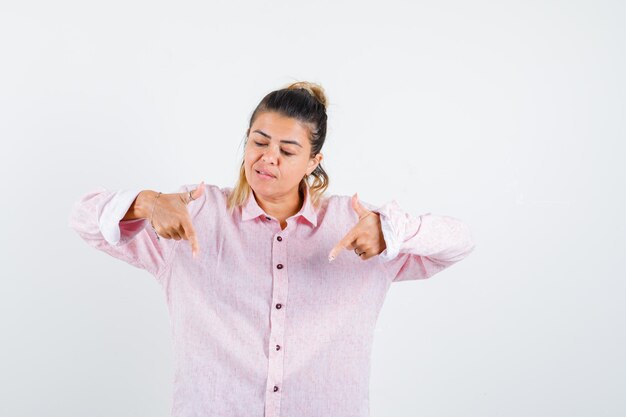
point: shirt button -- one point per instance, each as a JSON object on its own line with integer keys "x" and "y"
{"x": 277, "y": 347}
{"x": 275, "y": 388}
{"x": 267, "y": 218}
{"x": 279, "y": 238}
{"x": 279, "y": 266}
{"x": 279, "y": 305}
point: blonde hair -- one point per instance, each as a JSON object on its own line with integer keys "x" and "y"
{"x": 306, "y": 102}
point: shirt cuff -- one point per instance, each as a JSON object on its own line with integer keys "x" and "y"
{"x": 392, "y": 227}
{"x": 113, "y": 211}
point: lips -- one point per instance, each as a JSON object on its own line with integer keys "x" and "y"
{"x": 265, "y": 173}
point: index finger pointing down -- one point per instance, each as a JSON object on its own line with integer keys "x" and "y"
{"x": 190, "y": 233}
{"x": 344, "y": 243}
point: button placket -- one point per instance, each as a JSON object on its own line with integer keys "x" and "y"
{"x": 277, "y": 325}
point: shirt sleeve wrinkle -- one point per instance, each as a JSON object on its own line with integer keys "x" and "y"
{"x": 97, "y": 218}
{"x": 420, "y": 246}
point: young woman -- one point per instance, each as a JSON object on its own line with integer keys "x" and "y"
{"x": 274, "y": 297}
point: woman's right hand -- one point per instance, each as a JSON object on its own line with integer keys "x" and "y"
{"x": 171, "y": 218}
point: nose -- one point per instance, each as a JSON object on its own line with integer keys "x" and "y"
{"x": 270, "y": 155}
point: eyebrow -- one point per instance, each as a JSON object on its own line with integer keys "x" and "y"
{"x": 282, "y": 141}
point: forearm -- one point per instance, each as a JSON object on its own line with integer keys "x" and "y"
{"x": 441, "y": 238}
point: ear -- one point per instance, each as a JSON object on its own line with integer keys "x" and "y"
{"x": 314, "y": 162}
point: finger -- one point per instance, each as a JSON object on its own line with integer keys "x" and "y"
{"x": 361, "y": 210}
{"x": 165, "y": 235}
{"x": 196, "y": 193}
{"x": 348, "y": 242}
{"x": 190, "y": 234}
{"x": 181, "y": 232}
{"x": 366, "y": 256}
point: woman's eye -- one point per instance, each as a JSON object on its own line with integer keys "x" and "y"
{"x": 264, "y": 144}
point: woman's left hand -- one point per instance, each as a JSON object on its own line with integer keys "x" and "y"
{"x": 366, "y": 237}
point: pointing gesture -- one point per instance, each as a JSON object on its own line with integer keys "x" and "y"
{"x": 366, "y": 238}
{"x": 170, "y": 217}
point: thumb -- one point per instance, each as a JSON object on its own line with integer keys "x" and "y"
{"x": 358, "y": 207}
{"x": 196, "y": 193}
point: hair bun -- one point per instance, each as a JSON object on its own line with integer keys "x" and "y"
{"x": 314, "y": 89}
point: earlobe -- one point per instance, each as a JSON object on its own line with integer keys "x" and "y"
{"x": 314, "y": 168}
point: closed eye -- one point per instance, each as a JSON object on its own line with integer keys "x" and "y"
{"x": 263, "y": 144}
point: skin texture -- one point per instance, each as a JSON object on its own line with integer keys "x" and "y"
{"x": 289, "y": 163}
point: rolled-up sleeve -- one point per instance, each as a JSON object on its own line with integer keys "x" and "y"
{"x": 97, "y": 218}
{"x": 420, "y": 246}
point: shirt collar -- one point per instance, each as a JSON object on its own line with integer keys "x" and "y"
{"x": 251, "y": 209}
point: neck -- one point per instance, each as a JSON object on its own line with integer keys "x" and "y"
{"x": 282, "y": 207}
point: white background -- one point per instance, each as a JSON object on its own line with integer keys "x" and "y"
{"x": 507, "y": 115}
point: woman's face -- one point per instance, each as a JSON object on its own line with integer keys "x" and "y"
{"x": 279, "y": 146}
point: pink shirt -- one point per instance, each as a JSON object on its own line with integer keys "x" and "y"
{"x": 262, "y": 323}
